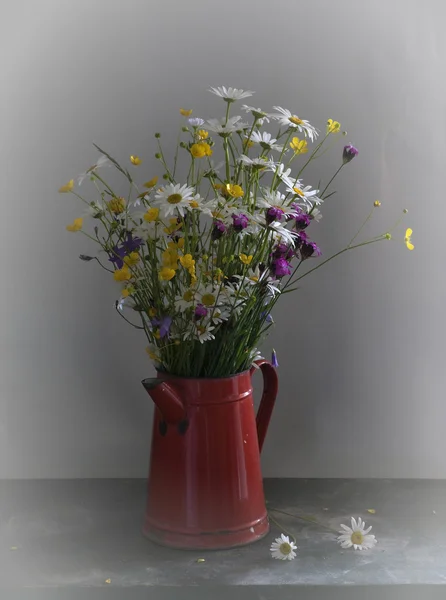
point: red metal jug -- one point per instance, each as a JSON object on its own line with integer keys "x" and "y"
{"x": 205, "y": 488}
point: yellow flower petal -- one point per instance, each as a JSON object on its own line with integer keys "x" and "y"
{"x": 135, "y": 160}
{"x": 185, "y": 113}
{"x": 76, "y": 225}
{"x": 372, "y": 511}
{"x": 409, "y": 232}
{"x": 151, "y": 183}
{"x": 67, "y": 187}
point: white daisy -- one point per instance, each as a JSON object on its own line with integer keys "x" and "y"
{"x": 316, "y": 214}
{"x": 230, "y": 94}
{"x": 209, "y": 295}
{"x": 282, "y": 172}
{"x": 277, "y": 230}
{"x": 94, "y": 210}
{"x": 258, "y": 113}
{"x": 304, "y": 194}
{"x": 220, "y": 314}
{"x": 255, "y": 163}
{"x": 275, "y": 199}
{"x": 266, "y": 141}
{"x": 185, "y": 300}
{"x": 285, "y": 117}
{"x": 148, "y": 231}
{"x": 283, "y": 549}
{"x": 103, "y": 161}
{"x": 356, "y": 536}
{"x": 196, "y": 121}
{"x": 222, "y": 128}
{"x": 254, "y": 355}
{"x": 174, "y": 197}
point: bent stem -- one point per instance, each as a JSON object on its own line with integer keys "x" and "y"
{"x": 303, "y": 518}
{"x": 282, "y": 528}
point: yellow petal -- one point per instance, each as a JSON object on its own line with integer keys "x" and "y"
{"x": 135, "y": 160}
{"x": 152, "y": 183}
{"x": 409, "y": 232}
{"x": 185, "y": 113}
{"x": 108, "y": 581}
{"x": 410, "y": 246}
{"x": 372, "y": 511}
{"x": 67, "y": 187}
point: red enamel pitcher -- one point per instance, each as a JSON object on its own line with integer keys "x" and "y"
{"x": 205, "y": 488}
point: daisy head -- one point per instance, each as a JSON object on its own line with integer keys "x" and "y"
{"x": 174, "y": 197}
{"x": 225, "y": 128}
{"x": 266, "y": 141}
{"x": 286, "y": 118}
{"x": 196, "y": 122}
{"x": 257, "y": 113}
{"x": 356, "y": 535}
{"x": 230, "y": 94}
{"x": 283, "y": 549}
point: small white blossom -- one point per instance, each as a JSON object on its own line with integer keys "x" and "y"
{"x": 357, "y": 536}
{"x": 283, "y": 549}
{"x": 230, "y": 94}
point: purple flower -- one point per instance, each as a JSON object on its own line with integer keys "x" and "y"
{"x": 240, "y": 222}
{"x": 302, "y": 222}
{"x": 200, "y": 311}
{"x": 282, "y": 251}
{"x": 349, "y": 153}
{"x": 300, "y": 238}
{"x": 218, "y": 230}
{"x": 308, "y": 249}
{"x": 163, "y": 324}
{"x": 274, "y": 214}
{"x": 274, "y": 360}
{"x": 117, "y": 254}
{"x": 281, "y": 267}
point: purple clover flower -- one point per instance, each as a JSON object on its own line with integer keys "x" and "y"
{"x": 218, "y": 230}
{"x": 200, "y": 311}
{"x": 239, "y": 222}
{"x": 308, "y": 249}
{"x": 274, "y": 214}
{"x": 300, "y": 238}
{"x": 349, "y": 153}
{"x": 302, "y": 222}
{"x": 282, "y": 251}
{"x": 281, "y": 267}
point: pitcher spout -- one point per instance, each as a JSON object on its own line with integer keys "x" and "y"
{"x": 166, "y": 398}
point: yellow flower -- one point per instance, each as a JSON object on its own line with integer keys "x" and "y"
{"x": 407, "y": 239}
{"x": 185, "y": 113}
{"x": 76, "y": 225}
{"x": 170, "y": 258}
{"x": 249, "y": 144}
{"x": 299, "y": 146}
{"x": 116, "y": 205}
{"x": 123, "y": 274}
{"x": 151, "y": 214}
{"x": 187, "y": 261}
{"x": 135, "y": 160}
{"x": 377, "y": 203}
{"x": 174, "y": 226}
{"x": 197, "y": 150}
{"x": 132, "y": 259}
{"x": 207, "y": 149}
{"x": 203, "y": 134}
{"x": 180, "y": 243}
{"x": 234, "y": 190}
{"x": 166, "y": 274}
{"x": 152, "y": 311}
{"x": 67, "y": 187}
{"x": 246, "y": 260}
{"x": 152, "y": 183}
{"x": 152, "y": 354}
{"x": 333, "y": 126}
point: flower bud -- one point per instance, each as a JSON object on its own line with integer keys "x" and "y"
{"x": 157, "y": 155}
{"x": 157, "y": 135}
{"x": 349, "y": 153}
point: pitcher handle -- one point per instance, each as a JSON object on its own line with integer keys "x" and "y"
{"x": 270, "y": 389}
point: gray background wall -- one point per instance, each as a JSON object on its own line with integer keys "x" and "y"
{"x": 361, "y": 344}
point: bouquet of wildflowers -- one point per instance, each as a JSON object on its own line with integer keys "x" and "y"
{"x": 201, "y": 260}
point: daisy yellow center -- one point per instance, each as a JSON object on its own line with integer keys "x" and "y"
{"x": 357, "y": 538}
{"x": 174, "y": 198}
{"x": 285, "y": 548}
{"x": 295, "y": 120}
{"x": 194, "y": 204}
{"x": 208, "y": 299}
{"x": 298, "y": 191}
{"x": 254, "y": 278}
{"x": 188, "y": 296}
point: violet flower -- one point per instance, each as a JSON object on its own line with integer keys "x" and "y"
{"x": 163, "y": 325}
{"x": 117, "y": 254}
{"x": 200, "y": 311}
{"x": 240, "y": 222}
{"x": 300, "y": 238}
{"x": 302, "y": 222}
{"x": 218, "y": 230}
{"x": 308, "y": 249}
{"x": 281, "y": 267}
{"x": 282, "y": 251}
{"x": 349, "y": 153}
{"x": 274, "y": 214}
{"x": 274, "y": 360}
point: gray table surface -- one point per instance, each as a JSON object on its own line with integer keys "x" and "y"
{"x": 58, "y": 537}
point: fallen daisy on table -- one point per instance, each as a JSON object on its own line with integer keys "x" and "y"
{"x": 356, "y": 536}
{"x": 283, "y": 549}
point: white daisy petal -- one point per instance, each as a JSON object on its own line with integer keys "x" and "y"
{"x": 230, "y": 94}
